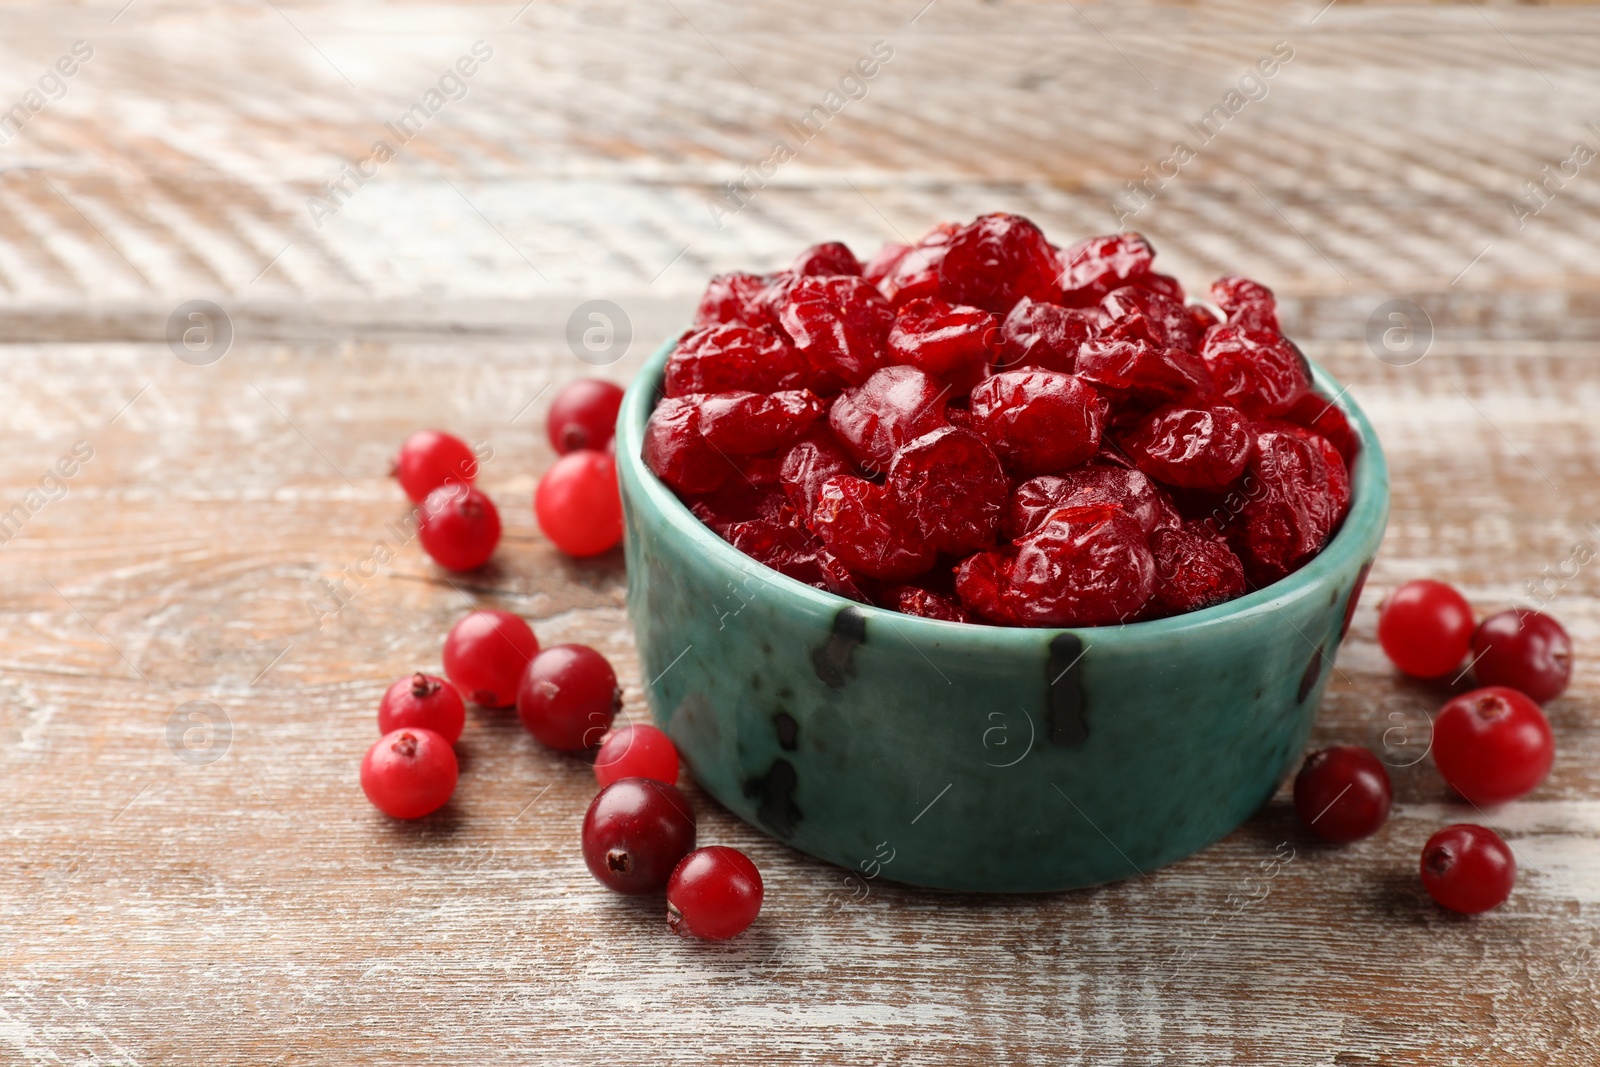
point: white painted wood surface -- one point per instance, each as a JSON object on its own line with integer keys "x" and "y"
{"x": 256, "y": 910}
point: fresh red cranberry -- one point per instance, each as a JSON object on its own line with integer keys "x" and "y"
{"x": 578, "y": 504}
{"x": 714, "y": 893}
{"x": 840, "y": 324}
{"x": 996, "y": 260}
{"x": 1092, "y": 268}
{"x": 1324, "y": 417}
{"x": 423, "y": 702}
{"x": 950, "y": 487}
{"x": 1083, "y": 566}
{"x": 637, "y": 751}
{"x": 584, "y": 415}
{"x": 731, "y": 357}
{"x": 832, "y": 257}
{"x": 876, "y": 269}
{"x": 1425, "y": 628}
{"x": 1038, "y": 421}
{"x": 1525, "y": 650}
{"x": 1493, "y": 745}
{"x": 1090, "y": 485}
{"x": 951, "y": 343}
{"x": 733, "y": 297}
{"x": 1248, "y": 304}
{"x": 568, "y": 696}
{"x": 635, "y": 832}
{"x": 1342, "y": 793}
{"x": 915, "y": 600}
{"x": 864, "y": 527}
{"x": 738, "y": 423}
{"x": 1140, "y": 371}
{"x": 485, "y": 655}
{"x": 1295, "y": 496}
{"x": 676, "y": 451}
{"x": 1469, "y": 869}
{"x": 431, "y": 458}
{"x": 1197, "y": 448}
{"x": 459, "y": 527}
{"x": 893, "y": 407}
{"x": 1258, "y": 372}
{"x": 1193, "y": 570}
{"x": 1048, "y": 336}
{"x": 1170, "y": 322}
{"x": 807, "y": 465}
{"x": 409, "y": 773}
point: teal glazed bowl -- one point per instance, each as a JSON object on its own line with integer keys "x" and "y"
{"x": 977, "y": 757}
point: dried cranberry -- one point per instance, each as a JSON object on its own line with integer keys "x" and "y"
{"x": 1081, "y": 567}
{"x": 1168, "y": 319}
{"x": 1202, "y": 317}
{"x": 1198, "y": 448}
{"x": 1248, "y": 304}
{"x": 807, "y": 465}
{"x": 949, "y": 485}
{"x": 997, "y": 260}
{"x": 894, "y": 406}
{"x": 1293, "y": 502}
{"x": 1139, "y": 371}
{"x": 862, "y": 526}
{"x": 833, "y": 257}
{"x": 1092, "y": 268}
{"x": 916, "y": 274}
{"x": 1325, "y": 418}
{"x": 732, "y": 356}
{"x": 740, "y": 501}
{"x": 915, "y": 600}
{"x": 876, "y": 269}
{"x": 1165, "y": 284}
{"x": 1091, "y": 485}
{"x": 1037, "y": 334}
{"x": 733, "y": 297}
{"x": 1038, "y": 421}
{"x": 839, "y": 323}
{"x": 1193, "y": 570}
{"x": 755, "y": 422}
{"x": 1258, "y": 372}
{"x": 952, "y": 343}
{"x": 677, "y": 453}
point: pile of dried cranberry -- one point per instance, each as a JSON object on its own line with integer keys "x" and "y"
{"x": 985, "y": 427}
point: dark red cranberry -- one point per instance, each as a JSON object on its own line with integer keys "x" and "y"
{"x": 840, "y": 324}
{"x": 1248, "y": 304}
{"x": 1425, "y": 628}
{"x": 634, "y": 834}
{"x": 1139, "y": 371}
{"x": 1194, "y": 570}
{"x": 568, "y": 696}
{"x": 915, "y": 600}
{"x": 740, "y": 423}
{"x": 1048, "y": 336}
{"x": 1038, "y": 421}
{"x": 733, "y": 297}
{"x": 584, "y": 415}
{"x": 1525, "y": 650}
{"x": 1469, "y": 869}
{"x": 1294, "y": 499}
{"x": 732, "y": 357}
{"x": 950, "y": 486}
{"x": 810, "y": 463}
{"x": 1092, "y": 268}
{"x": 1197, "y": 448}
{"x": 1342, "y": 793}
{"x": 953, "y": 344}
{"x": 1090, "y": 485}
{"x": 677, "y": 453}
{"x": 997, "y": 260}
{"x": 862, "y": 525}
{"x": 830, "y": 258}
{"x": 1323, "y": 417}
{"x": 895, "y": 406}
{"x": 1169, "y": 320}
{"x": 1259, "y": 373}
{"x": 1493, "y": 745}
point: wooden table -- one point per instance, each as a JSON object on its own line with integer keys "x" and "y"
{"x": 179, "y": 893}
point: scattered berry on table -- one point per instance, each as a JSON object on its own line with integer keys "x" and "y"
{"x": 423, "y": 702}
{"x": 409, "y": 773}
{"x": 636, "y": 751}
{"x": 1526, "y": 650}
{"x": 485, "y": 655}
{"x": 431, "y": 458}
{"x": 1342, "y": 793}
{"x": 459, "y": 527}
{"x": 715, "y": 893}
{"x": 1425, "y": 628}
{"x": 635, "y": 832}
{"x": 1493, "y": 745}
{"x": 568, "y": 696}
{"x": 1468, "y": 868}
{"x": 583, "y": 415}
{"x": 578, "y": 505}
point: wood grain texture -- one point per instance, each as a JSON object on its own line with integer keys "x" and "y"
{"x": 256, "y": 910}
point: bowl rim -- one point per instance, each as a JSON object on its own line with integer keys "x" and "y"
{"x": 1363, "y": 525}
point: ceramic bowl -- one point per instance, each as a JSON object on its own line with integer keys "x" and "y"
{"x": 978, "y": 757}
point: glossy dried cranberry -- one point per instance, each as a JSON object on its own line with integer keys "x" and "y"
{"x": 1258, "y": 372}
{"x": 1169, "y": 321}
{"x": 839, "y": 323}
{"x": 734, "y": 297}
{"x": 1197, "y": 448}
{"x": 862, "y": 526}
{"x": 1081, "y": 567}
{"x": 736, "y": 423}
{"x": 807, "y": 465}
{"x": 996, "y": 260}
{"x": 1248, "y": 304}
{"x": 1092, "y": 268}
{"x": 1325, "y": 418}
{"x": 1293, "y": 502}
{"x": 894, "y": 406}
{"x": 1038, "y": 334}
{"x": 916, "y": 274}
{"x": 1091, "y": 485}
{"x": 1193, "y": 570}
{"x": 1135, "y": 370}
{"x": 915, "y": 600}
{"x": 1165, "y": 284}
{"x": 676, "y": 452}
{"x": 739, "y": 500}
{"x": 876, "y": 269}
{"x": 952, "y": 343}
{"x": 949, "y": 485}
{"x": 829, "y": 258}
{"x": 1038, "y": 421}
{"x": 731, "y": 356}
